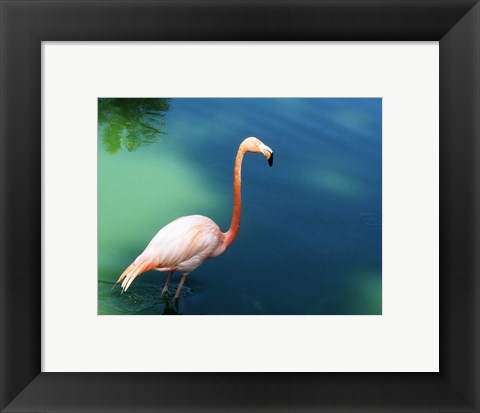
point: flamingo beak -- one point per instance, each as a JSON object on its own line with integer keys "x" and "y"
{"x": 268, "y": 153}
{"x": 270, "y": 160}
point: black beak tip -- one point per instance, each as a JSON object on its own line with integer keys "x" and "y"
{"x": 270, "y": 160}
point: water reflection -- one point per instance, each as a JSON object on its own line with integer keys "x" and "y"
{"x": 171, "y": 305}
{"x": 336, "y": 182}
{"x": 125, "y": 123}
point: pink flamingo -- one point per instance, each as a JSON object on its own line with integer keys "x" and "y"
{"x": 184, "y": 244}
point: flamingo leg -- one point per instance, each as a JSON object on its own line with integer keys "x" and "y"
{"x": 165, "y": 288}
{"x": 177, "y": 294}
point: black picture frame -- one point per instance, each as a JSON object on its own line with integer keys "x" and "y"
{"x": 25, "y": 24}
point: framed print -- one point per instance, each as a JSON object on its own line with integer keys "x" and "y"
{"x": 333, "y": 219}
{"x": 247, "y": 70}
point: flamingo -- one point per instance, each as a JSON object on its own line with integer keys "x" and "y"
{"x": 185, "y": 243}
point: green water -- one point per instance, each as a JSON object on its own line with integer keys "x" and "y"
{"x": 310, "y": 240}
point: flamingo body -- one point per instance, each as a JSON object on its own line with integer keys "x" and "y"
{"x": 184, "y": 244}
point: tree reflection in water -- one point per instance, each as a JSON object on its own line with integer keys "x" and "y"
{"x": 129, "y": 123}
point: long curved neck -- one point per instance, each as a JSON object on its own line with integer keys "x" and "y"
{"x": 232, "y": 232}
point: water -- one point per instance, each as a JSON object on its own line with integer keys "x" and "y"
{"x": 311, "y": 235}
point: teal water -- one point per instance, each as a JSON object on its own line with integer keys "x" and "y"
{"x": 311, "y": 235}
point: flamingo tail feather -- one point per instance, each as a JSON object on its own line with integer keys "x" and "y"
{"x": 132, "y": 271}
{"x": 124, "y": 274}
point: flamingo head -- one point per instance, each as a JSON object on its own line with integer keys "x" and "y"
{"x": 255, "y": 145}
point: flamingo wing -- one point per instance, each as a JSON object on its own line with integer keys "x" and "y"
{"x": 187, "y": 239}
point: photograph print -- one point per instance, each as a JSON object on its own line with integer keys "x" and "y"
{"x": 240, "y": 206}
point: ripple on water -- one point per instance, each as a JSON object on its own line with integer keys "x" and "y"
{"x": 372, "y": 220}
{"x": 142, "y": 299}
